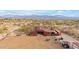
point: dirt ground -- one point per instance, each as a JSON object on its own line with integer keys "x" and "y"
{"x": 29, "y": 42}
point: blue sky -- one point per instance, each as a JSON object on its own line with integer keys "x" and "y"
{"x": 69, "y": 13}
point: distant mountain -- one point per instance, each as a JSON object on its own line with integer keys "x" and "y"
{"x": 39, "y": 17}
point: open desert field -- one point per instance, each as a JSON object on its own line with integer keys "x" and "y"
{"x": 33, "y": 42}
{"x": 37, "y": 34}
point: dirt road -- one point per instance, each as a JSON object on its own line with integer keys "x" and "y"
{"x": 3, "y": 36}
{"x": 29, "y": 42}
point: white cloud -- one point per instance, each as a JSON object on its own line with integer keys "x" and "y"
{"x": 60, "y": 11}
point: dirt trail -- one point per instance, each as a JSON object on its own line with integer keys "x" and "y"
{"x": 3, "y": 36}
{"x": 28, "y": 42}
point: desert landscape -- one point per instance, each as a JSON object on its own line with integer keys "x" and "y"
{"x": 22, "y": 33}
{"x": 39, "y": 29}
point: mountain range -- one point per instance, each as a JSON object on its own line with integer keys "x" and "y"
{"x": 39, "y": 17}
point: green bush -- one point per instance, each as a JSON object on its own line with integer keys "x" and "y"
{"x": 24, "y": 28}
{"x": 3, "y": 29}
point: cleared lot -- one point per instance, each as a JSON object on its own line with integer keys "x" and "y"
{"x": 34, "y": 42}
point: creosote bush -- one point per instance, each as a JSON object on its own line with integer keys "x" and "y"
{"x": 3, "y": 29}
{"x": 24, "y": 28}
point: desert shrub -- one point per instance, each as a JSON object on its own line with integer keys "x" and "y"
{"x": 24, "y": 28}
{"x": 3, "y": 29}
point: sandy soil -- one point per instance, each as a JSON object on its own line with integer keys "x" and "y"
{"x": 34, "y": 42}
